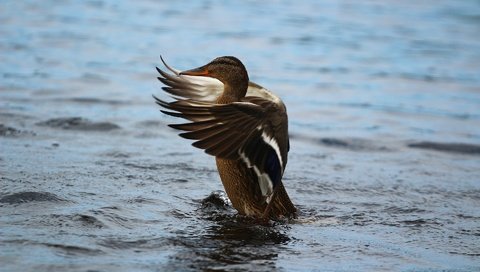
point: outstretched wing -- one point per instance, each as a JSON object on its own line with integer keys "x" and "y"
{"x": 254, "y": 130}
{"x": 192, "y": 87}
{"x": 248, "y": 130}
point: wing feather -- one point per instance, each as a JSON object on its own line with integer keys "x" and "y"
{"x": 254, "y": 129}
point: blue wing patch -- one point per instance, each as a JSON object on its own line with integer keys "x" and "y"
{"x": 272, "y": 167}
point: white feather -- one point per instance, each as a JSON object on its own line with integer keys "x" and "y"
{"x": 208, "y": 87}
{"x": 211, "y": 88}
{"x": 257, "y": 90}
{"x": 264, "y": 181}
{"x": 273, "y": 143}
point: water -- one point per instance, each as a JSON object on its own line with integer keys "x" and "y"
{"x": 383, "y": 100}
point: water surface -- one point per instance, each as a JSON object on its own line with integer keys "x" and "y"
{"x": 383, "y": 100}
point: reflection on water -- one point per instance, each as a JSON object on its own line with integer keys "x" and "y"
{"x": 383, "y": 103}
{"x": 230, "y": 245}
{"x": 230, "y": 241}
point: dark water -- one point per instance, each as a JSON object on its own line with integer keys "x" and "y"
{"x": 384, "y": 106}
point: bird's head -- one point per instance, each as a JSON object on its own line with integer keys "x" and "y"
{"x": 229, "y": 70}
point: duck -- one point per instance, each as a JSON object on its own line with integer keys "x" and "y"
{"x": 242, "y": 124}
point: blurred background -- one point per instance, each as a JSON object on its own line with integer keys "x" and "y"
{"x": 384, "y": 113}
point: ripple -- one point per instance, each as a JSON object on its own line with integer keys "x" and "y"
{"x": 149, "y": 124}
{"x": 74, "y": 250}
{"x": 13, "y": 132}
{"x": 117, "y": 154}
{"x": 113, "y": 215}
{"x": 78, "y": 123}
{"x": 141, "y": 200}
{"x": 420, "y": 222}
{"x": 353, "y": 144}
{"x": 93, "y": 100}
{"x": 460, "y": 148}
{"x": 88, "y": 220}
{"x": 403, "y": 210}
{"x": 76, "y": 220}
{"x": 144, "y": 243}
{"x": 24, "y": 197}
{"x": 94, "y": 79}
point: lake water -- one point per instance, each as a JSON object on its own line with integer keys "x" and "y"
{"x": 384, "y": 110}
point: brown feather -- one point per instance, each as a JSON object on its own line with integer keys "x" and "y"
{"x": 231, "y": 126}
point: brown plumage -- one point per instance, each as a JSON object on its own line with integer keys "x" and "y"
{"x": 240, "y": 123}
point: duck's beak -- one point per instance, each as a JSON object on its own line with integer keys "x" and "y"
{"x": 200, "y": 71}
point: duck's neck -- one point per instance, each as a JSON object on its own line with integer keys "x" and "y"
{"x": 232, "y": 93}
